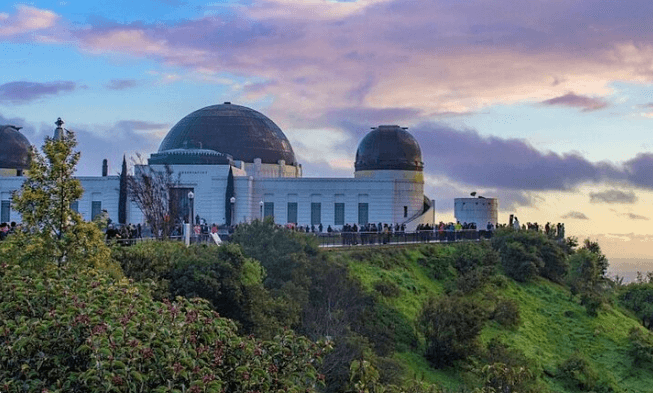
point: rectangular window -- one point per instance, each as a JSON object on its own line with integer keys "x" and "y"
{"x": 316, "y": 213}
{"x": 292, "y": 212}
{"x": 4, "y": 211}
{"x": 363, "y": 213}
{"x": 74, "y": 206}
{"x": 268, "y": 209}
{"x": 405, "y": 211}
{"x": 96, "y": 208}
{"x": 339, "y": 214}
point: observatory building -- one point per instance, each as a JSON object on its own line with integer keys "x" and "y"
{"x": 232, "y": 164}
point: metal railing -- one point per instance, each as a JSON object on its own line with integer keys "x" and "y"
{"x": 348, "y": 239}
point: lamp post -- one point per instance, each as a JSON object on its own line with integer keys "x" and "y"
{"x": 233, "y": 204}
{"x": 190, "y": 218}
{"x": 433, "y": 208}
{"x": 261, "y": 205}
{"x": 191, "y": 195}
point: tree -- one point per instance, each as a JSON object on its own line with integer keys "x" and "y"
{"x": 53, "y": 231}
{"x": 150, "y": 188}
{"x": 451, "y": 326}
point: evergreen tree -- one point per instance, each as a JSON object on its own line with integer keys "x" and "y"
{"x": 52, "y": 230}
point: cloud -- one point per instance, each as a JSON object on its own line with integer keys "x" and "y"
{"x": 639, "y": 170}
{"x": 26, "y": 20}
{"x": 587, "y": 104}
{"x": 575, "y": 215}
{"x": 23, "y": 92}
{"x": 633, "y": 216}
{"x": 121, "y": 84}
{"x": 613, "y": 196}
{"x": 506, "y": 163}
{"x": 423, "y": 56}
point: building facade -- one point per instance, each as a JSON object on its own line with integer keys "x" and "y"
{"x": 233, "y": 164}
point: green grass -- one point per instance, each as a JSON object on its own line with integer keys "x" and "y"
{"x": 553, "y": 325}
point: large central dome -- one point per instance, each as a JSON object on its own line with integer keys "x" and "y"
{"x": 238, "y": 131}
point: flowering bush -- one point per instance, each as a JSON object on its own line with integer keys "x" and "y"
{"x": 83, "y": 331}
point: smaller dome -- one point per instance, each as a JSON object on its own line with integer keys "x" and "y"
{"x": 389, "y": 147}
{"x": 14, "y": 148}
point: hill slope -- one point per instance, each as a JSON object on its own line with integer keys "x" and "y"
{"x": 553, "y": 326}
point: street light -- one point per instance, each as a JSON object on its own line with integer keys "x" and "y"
{"x": 233, "y": 203}
{"x": 190, "y": 206}
{"x": 261, "y": 205}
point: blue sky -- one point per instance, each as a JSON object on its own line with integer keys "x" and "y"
{"x": 544, "y": 104}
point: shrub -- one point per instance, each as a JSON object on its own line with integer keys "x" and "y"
{"x": 231, "y": 283}
{"x": 506, "y": 313}
{"x": 499, "y": 377}
{"x": 555, "y": 261}
{"x": 84, "y": 332}
{"x": 474, "y": 280}
{"x": 507, "y": 369}
{"x": 470, "y": 256}
{"x": 540, "y": 255}
{"x": 151, "y": 261}
{"x": 641, "y": 347}
{"x": 638, "y": 297}
{"x": 519, "y": 262}
{"x": 578, "y": 373}
{"x": 387, "y": 289}
{"x": 451, "y": 326}
{"x": 439, "y": 260}
{"x": 279, "y": 250}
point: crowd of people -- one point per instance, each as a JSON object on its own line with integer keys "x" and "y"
{"x": 351, "y": 234}
{"x": 6, "y": 229}
{"x": 556, "y": 231}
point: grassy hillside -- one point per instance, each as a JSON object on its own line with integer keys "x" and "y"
{"x": 553, "y": 325}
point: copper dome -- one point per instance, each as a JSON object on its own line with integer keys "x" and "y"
{"x": 233, "y": 130}
{"x": 14, "y": 148}
{"x": 389, "y": 147}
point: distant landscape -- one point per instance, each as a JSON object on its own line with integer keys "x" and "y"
{"x": 628, "y": 267}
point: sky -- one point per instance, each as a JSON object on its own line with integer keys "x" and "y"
{"x": 546, "y": 105}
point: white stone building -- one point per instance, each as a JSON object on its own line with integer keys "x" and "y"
{"x": 240, "y": 166}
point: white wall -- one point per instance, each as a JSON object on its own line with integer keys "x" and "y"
{"x": 478, "y": 210}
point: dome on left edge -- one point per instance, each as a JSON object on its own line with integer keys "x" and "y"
{"x": 14, "y": 148}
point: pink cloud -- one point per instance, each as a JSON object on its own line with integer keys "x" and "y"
{"x": 587, "y": 104}
{"x": 26, "y": 20}
{"x": 427, "y": 57}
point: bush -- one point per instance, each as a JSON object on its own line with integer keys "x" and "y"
{"x": 387, "y": 289}
{"x": 151, "y": 261}
{"x": 81, "y": 331}
{"x": 474, "y": 280}
{"x": 540, "y": 255}
{"x": 439, "y": 260}
{"x": 451, "y": 326}
{"x": 519, "y": 262}
{"x": 555, "y": 261}
{"x": 470, "y": 256}
{"x": 641, "y": 348}
{"x": 638, "y": 297}
{"x": 506, "y": 313}
{"x": 232, "y": 283}
{"x": 579, "y": 374}
{"x": 279, "y": 250}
